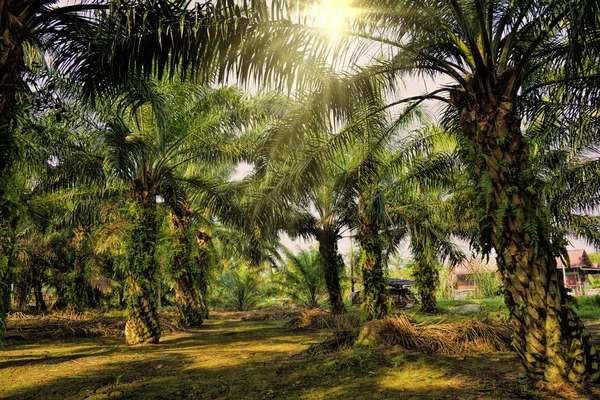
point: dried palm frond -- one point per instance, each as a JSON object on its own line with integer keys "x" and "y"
{"x": 318, "y": 318}
{"x": 448, "y": 338}
{"x": 70, "y": 324}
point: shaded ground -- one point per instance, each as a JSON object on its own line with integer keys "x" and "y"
{"x": 234, "y": 359}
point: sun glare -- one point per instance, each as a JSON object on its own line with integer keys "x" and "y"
{"x": 332, "y": 15}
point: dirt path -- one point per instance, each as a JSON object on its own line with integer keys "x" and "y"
{"x": 234, "y": 359}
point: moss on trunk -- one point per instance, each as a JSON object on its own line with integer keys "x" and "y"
{"x": 142, "y": 320}
{"x": 333, "y": 265}
{"x": 186, "y": 266}
{"x": 426, "y": 270}
{"x": 375, "y": 300}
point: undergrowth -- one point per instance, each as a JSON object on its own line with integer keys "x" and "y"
{"x": 588, "y": 306}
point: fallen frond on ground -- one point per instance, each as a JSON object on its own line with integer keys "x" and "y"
{"x": 444, "y": 338}
{"x": 317, "y": 318}
{"x": 402, "y": 330}
{"x": 64, "y": 324}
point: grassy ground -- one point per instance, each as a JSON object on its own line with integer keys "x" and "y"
{"x": 234, "y": 359}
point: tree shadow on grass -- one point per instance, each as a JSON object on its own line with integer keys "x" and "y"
{"x": 46, "y": 359}
{"x": 268, "y": 364}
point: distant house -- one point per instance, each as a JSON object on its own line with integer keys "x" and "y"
{"x": 462, "y": 273}
{"x": 574, "y": 276}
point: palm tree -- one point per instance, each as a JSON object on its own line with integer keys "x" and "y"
{"x": 105, "y": 47}
{"x": 507, "y": 61}
{"x": 24, "y": 25}
{"x": 314, "y": 209}
{"x": 331, "y": 207}
{"x": 430, "y": 224}
{"x": 174, "y": 141}
{"x": 215, "y": 128}
{"x": 302, "y": 278}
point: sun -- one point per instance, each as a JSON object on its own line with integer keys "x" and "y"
{"x": 332, "y": 15}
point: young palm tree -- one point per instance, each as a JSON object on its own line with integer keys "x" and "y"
{"x": 302, "y": 278}
{"x": 220, "y": 124}
{"x": 331, "y": 208}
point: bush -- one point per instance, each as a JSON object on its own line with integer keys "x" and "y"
{"x": 588, "y": 306}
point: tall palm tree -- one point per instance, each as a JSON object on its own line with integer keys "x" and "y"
{"x": 221, "y": 125}
{"x": 300, "y": 196}
{"x": 506, "y": 61}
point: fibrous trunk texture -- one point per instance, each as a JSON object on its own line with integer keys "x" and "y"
{"x": 13, "y": 14}
{"x": 5, "y": 280}
{"x": 11, "y": 66}
{"x": 332, "y": 265}
{"x": 186, "y": 272}
{"x": 142, "y": 320}
{"x": 549, "y": 337}
{"x": 78, "y": 291}
{"x": 426, "y": 273}
{"x": 426, "y": 285}
{"x": 375, "y": 300}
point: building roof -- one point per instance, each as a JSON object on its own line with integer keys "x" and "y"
{"x": 471, "y": 265}
{"x": 578, "y": 258}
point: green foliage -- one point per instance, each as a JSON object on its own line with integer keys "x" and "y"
{"x": 238, "y": 288}
{"x": 594, "y": 283}
{"x": 302, "y": 278}
{"x": 445, "y": 290}
{"x": 588, "y": 306}
{"x": 489, "y": 284}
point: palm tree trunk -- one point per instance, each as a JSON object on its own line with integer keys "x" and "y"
{"x": 426, "y": 282}
{"x": 332, "y": 265}
{"x": 40, "y": 304}
{"x": 78, "y": 291}
{"x": 426, "y": 273}
{"x": 549, "y": 337}
{"x": 142, "y": 320}
{"x": 11, "y": 68}
{"x": 205, "y": 262}
{"x": 12, "y": 17}
{"x": 186, "y": 264}
{"x": 375, "y": 299}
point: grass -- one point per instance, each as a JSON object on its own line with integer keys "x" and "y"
{"x": 232, "y": 358}
{"x": 588, "y": 306}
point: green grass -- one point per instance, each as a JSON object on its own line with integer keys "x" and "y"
{"x": 229, "y": 358}
{"x": 588, "y": 306}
